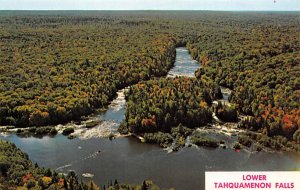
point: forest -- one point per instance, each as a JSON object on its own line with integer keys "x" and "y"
{"x": 54, "y": 69}
{"x": 260, "y": 62}
{"x": 159, "y": 105}
{"x": 18, "y": 172}
{"x": 59, "y": 66}
{"x": 257, "y": 57}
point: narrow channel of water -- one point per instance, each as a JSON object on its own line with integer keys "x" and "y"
{"x": 110, "y": 120}
{"x": 184, "y": 64}
{"x": 130, "y": 161}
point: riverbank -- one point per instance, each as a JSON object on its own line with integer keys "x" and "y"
{"x": 102, "y": 124}
{"x": 131, "y": 162}
{"x": 18, "y": 172}
{"x": 123, "y": 158}
{"x": 81, "y": 60}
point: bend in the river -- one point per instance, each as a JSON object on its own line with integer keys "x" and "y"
{"x": 130, "y": 161}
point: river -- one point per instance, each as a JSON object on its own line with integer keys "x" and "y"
{"x": 130, "y": 161}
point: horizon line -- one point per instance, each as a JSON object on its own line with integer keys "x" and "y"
{"x": 224, "y": 10}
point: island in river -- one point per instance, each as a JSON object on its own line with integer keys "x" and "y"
{"x": 130, "y": 161}
{"x": 242, "y": 84}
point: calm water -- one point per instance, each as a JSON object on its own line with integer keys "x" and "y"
{"x": 130, "y": 161}
{"x": 184, "y": 64}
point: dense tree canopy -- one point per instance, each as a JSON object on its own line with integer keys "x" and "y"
{"x": 158, "y": 105}
{"x": 59, "y": 66}
{"x": 18, "y": 172}
{"x": 260, "y": 61}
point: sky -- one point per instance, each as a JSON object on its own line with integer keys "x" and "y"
{"x": 288, "y": 5}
